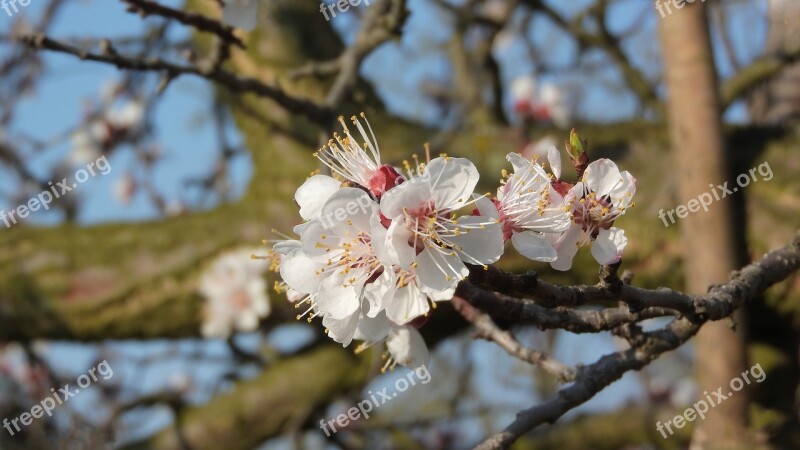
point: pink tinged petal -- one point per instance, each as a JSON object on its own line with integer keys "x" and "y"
{"x": 337, "y": 300}
{"x": 439, "y": 271}
{"x": 341, "y": 330}
{"x": 554, "y": 158}
{"x": 313, "y": 194}
{"x": 407, "y": 347}
{"x": 534, "y": 246}
{"x": 478, "y": 245}
{"x": 348, "y": 210}
{"x": 602, "y": 177}
{"x": 300, "y": 272}
{"x": 452, "y": 181}
{"x": 486, "y": 207}
{"x": 407, "y": 304}
{"x": 608, "y": 246}
{"x": 410, "y": 195}
{"x": 566, "y": 248}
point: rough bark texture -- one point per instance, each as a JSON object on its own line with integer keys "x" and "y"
{"x": 707, "y": 237}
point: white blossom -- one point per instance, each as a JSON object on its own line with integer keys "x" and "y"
{"x": 594, "y": 203}
{"x": 425, "y": 232}
{"x": 235, "y": 293}
{"x": 530, "y": 209}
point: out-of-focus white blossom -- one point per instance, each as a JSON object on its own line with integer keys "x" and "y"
{"x": 125, "y": 188}
{"x": 540, "y": 103}
{"x": 235, "y": 293}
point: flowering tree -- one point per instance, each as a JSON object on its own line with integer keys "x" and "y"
{"x": 398, "y": 253}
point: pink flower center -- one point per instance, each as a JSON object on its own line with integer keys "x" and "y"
{"x": 383, "y": 179}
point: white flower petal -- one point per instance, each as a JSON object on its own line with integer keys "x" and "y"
{"x": 486, "y": 207}
{"x": 438, "y": 271}
{"x": 622, "y": 195}
{"x": 534, "y": 246}
{"x": 442, "y": 296}
{"x": 398, "y": 248}
{"x": 608, "y": 246}
{"x": 286, "y": 247}
{"x": 518, "y": 162}
{"x": 337, "y": 300}
{"x": 479, "y": 245}
{"x": 341, "y": 330}
{"x": 410, "y": 194}
{"x": 554, "y": 158}
{"x": 602, "y": 176}
{"x": 408, "y": 303}
{"x": 320, "y": 243}
{"x": 300, "y": 272}
{"x": 348, "y": 210}
{"x": 407, "y": 347}
{"x": 373, "y": 329}
{"x": 312, "y": 195}
{"x": 378, "y": 293}
{"x": 566, "y": 248}
{"x": 452, "y": 181}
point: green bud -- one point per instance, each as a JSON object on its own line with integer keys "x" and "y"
{"x": 576, "y": 146}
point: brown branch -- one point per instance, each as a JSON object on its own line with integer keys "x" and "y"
{"x": 719, "y": 302}
{"x": 758, "y": 72}
{"x": 487, "y": 329}
{"x": 553, "y": 295}
{"x": 576, "y": 321}
{"x": 604, "y": 40}
{"x": 233, "y": 82}
{"x": 592, "y": 379}
{"x": 382, "y": 23}
{"x": 147, "y": 8}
